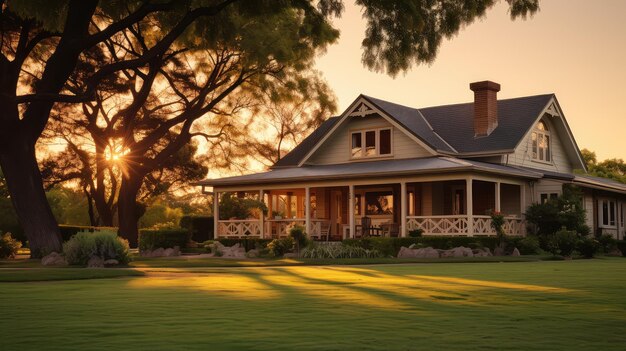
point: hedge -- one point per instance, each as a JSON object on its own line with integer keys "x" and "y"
{"x": 201, "y": 227}
{"x": 150, "y": 239}
{"x": 391, "y": 246}
{"x": 68, "y": 231}
{"x": 248, "y": 244}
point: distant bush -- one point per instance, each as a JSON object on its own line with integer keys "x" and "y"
{"x": 337, "y": 250}
{"x": 154, "y": 239}
{"x": 279, "y": 247}
{"x": 391, "y": 246}
{"x": 8, "y": 246}
{"x": 299, "y": 236}
{"x": 201, "y": 227}
{"x": 68, "y": 231}
{"x": 587, "y": 246}
{"x": 607, "y": 243}
{"x": 106, "y": 245}
{"x": 621, "y": 245}
{"x": 247, "y": 243}
{"x": 566, "y": 211}
{"x": 562, "y": 243}
{"x": 528, "y": 245}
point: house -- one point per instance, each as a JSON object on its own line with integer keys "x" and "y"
{"x": 439, "y": 169}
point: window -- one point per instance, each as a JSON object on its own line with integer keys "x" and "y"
{"x": 607, "y": 213}
{"x": 379, "y": 203}
{"x": 371, "y": 143}
{"x": 541, "y": 143}
{"x": 548, "y": 196}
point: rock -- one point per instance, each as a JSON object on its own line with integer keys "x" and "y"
{"x": 252, "y": 253}
{"x": 498, "y": 251}
{"x": 460, "y": 251}
{"x": 515, "y": 252}
{"x": 235, "y": 251}
{"x": 95, "y": 262}
{"x": 427, "y": 252}
{"x": 192, "y": 244}
{"x": 406, "y": 252}
{"x": 54, "y": 259}
{"x": 111, "y": 262}
{"x": 615, "y": 252}
{"x": 486, "y": 252}
{"x": 157, "y": 252}
{"x": 171, "y": 252}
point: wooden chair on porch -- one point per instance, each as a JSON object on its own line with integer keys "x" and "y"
{"x": 391, "y": 229}
{"x": 325, "y": 230}
{"x": 365, "y": 228}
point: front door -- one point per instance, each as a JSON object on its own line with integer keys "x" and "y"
{"x": 458, "y": 201}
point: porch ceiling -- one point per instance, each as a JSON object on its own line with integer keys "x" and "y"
{"x": 417, "y": 166}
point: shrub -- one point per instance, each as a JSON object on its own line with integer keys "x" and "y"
{"x": 607, "y": 243}
{"x": 621, "y": 245}
{"x": 68, "y": 231}
{"x": 8, "y": 246}
{"x": 239, "y": 208}
{"x": 201, "y": 227}
{"x": 416, "y": 233}
{"x": 528, "y": 245}
{"x": 562, "y": 242}
{"x": 279, "y": 247}
{"x": 565, "y": 211}
{"x": 391, "y": 246}
{"x": 154, "y": 239}
{"x": 337, "y": 250}
{"x": 106, "y": 245}
{"x": 587, "y": 246}
{"x": 299, "y": 236}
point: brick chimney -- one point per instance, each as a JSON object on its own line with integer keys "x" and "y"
{"x": 485, "y": 107}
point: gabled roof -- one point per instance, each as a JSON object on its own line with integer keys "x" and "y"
{"x": 446, "y": 129}
{"x": 455, "y": 123}
{"x": 413, "y": 166}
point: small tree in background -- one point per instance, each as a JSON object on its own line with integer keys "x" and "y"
{"x": 497, "y": 222}
{"x": 566, "y": 211}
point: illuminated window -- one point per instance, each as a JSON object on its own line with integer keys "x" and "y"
{"x": 607, "y": 213}
{"x": 379, "y": 203}
{"x": 541, "y": 143}
{"x": 371, "y": 143}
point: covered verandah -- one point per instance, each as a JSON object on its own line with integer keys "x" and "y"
{"x": 441, "y": 205}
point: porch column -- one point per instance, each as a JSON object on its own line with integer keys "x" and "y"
{"x": 497, "y": 192}
{"x": 403, "y": 209}
{"x": 307, "y": 210}
{"x": 522, "y": 200}
{"x": 262, "y": 215}
{"x": 470, "y": 205}
{"x": 216, "y": 212}
{"x": 351, "y": 209}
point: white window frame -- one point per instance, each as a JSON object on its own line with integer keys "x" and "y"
{"x": 376, "y": 143}
{"x": 544, "y": 155}
{"x": 548, "y": 197}
{"x": 608, "y": 225}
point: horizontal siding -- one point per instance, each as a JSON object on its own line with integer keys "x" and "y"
{"x": 544, "y": 186}
{"x": 523, "y": 154}
{"x": 337, "y": 148}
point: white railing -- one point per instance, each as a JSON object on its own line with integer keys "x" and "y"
{"x": 277, "y": 228}
{"x": 239, "y": 227}
{"x": 438, "y": 225}
{"x": 459, "y": 225}
{"x": 512, "y": 226}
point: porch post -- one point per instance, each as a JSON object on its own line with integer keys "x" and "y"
{"x": 262, "y": 215}
{"x": 351, "y": 209}
{"x": 216, "y": 212}
{"x": 522, "y": 200}
{"x": 470, "y": 205}
{"x": 497, "y": 192}
{"x": 307, "y": 210}
{"x": 403, "y": 209}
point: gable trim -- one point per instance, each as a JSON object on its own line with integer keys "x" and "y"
{"x": 351, "y": 112}
{"x": 554, "y": 109}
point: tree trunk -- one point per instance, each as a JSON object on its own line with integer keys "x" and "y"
{"x": 25, "y": 184}
{"x": 128, "y": 209}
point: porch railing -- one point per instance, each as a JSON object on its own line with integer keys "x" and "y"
{"x": 438, "y": 225}
{"x": 459, "y": 225}
{"x": 239, "y": 227}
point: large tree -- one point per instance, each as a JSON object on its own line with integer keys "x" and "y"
{"x": 398, "y": 34}
{"x": 612, "y": 168}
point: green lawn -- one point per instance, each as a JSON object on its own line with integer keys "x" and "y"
{"x": 541, "y": 305}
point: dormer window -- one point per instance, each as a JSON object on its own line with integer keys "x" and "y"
{"x": 370, "y": 143}
{"x": 541, "y": 143}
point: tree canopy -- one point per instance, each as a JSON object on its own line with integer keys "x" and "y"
{"x": 613, "y": 168}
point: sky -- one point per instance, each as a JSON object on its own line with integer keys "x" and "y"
{"x": 573, "y": 48}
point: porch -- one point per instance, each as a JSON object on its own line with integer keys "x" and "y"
{"x": 444, "y": 206}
